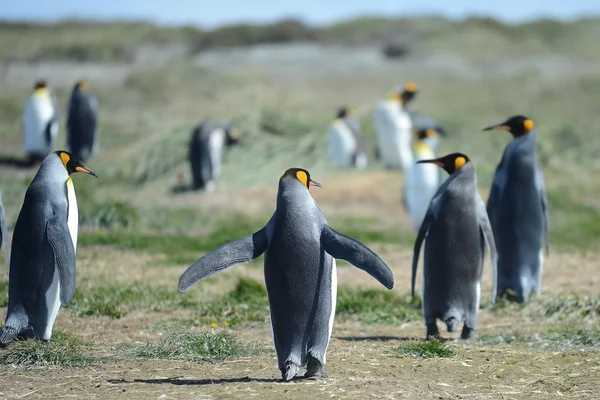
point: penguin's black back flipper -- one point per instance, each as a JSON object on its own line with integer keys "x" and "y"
{"x": 351, "y": 250}
{"x": 417, "y": 249}
{"x": 238, "y": 251}
{"x": 59, "y": 238}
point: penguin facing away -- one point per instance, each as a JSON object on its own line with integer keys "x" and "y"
{"x": 300, "y": 273}
{"x": 393, "y": 128}
{"x": 82, "y": 123}
{"x": 40, "y": 122}
{"x": 423, "y": 179}
{"x": 347, "y": 146}
{"x": 518, "y": 211}
{"x": 42, "y": 265}
{"x": 457, "y": 228}
{"x": 4, "y": 236}
{"x": 206, "y": 148}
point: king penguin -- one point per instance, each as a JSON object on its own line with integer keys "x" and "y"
{"x": 393, "y": 128}
{"x": 42, "y": 265}
{"x": 300, "y": 272}
{"x": 40, "y": 123}
{"x": 518, "y": 211}
{"x": 82, "y": 129}
{"x": 423, "y": 180}
{"x": 346, "y": 140}
{"x": 4, "y": 235}
{"x": 457, "y": 228}
{"x": 206, "y": 148}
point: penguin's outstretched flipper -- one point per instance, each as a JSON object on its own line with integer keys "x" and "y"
{"x": 238, "y": 251}
{"x": 486, "y": 231}
{"x": 348, "y": 249}
{"x": 59, "y": 237}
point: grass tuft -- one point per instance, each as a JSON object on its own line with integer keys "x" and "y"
{"x": 209, "y": 345}
{"x": 62, "y": 350}
{"x": 424, "y": 349}
{"x": 3, "y": 293}
{"x": 373, "y": 306}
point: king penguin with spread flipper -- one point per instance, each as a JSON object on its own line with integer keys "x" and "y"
{"x": 423, "y": 180}
{"x": 347, "y": 146}
{"x": 206, "y": 148}
{"x": 4, "y": 236}
{"x": 300, "y": 273}
{"x": 394, "y": 128}
{"x": 518, "y": 211}
{"x": 40, "y": 122}
{"x": 42, "y": 264}
{"x": 82, "y": 123}
{"x": 455, "y": 229}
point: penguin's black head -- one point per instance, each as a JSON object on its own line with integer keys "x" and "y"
{"x": 41, "y": 84}
{"x": 80, "y": 85}
{"x": 409, "y": 92}
{"x": 301, "y": 175}
{"x": 344, "y": 112}
{"x": 422, "y": 134}
{"x": 232, "y": 134}
{"x": 518, "y": 125}
{"x": 73, "y": 165}
{"x": 451, "y": 163}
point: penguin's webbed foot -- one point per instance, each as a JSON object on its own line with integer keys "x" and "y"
{"x": 467, "y": 333}
{"x": 315, "y": 368}
{"x": 432, "y": 332}
{"x": 290, "y": 371}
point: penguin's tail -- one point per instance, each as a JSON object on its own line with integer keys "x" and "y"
{"x": 452, "y": 324}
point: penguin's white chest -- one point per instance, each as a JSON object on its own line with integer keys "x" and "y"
{"x": 73, "y": 215}
{"x": 342, "y": 144}
{"x": 422, "y": 183}
{"x": 394, "y": 127}
{"x": 38, "y": 112}
{"x": 216, "y": 142}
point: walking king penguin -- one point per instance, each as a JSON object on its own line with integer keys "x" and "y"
{"x": 423, "y": 180}
{"x": 42, "y": 264}
{"x": 300, "y": 273}
{"x": 82, "y": 129}
{"x": 346, "y": 141}
{"x": 457, "y": 228}
{"x": 4, "y": 235}
{"x": 518, "y": 212}
{"x": 206, "y": 152}
{"x": 40, "y": 123}
{"x": 393, "y": 128}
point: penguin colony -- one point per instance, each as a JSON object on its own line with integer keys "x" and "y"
{"x": 300, "y": 247}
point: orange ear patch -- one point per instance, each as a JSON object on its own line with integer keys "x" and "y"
{"x": 410, "y": 86}
{"x": 528, "y": 125}
{"x": 302, "y": 177}
{"x": 459, "y": 162}
{"x": 65, "y": 159}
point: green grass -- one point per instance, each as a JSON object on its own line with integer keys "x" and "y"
{"x": 576, "y": 306}
{"x": 503, "y": 338}
{"x": 376, "y": 306}
{"x": 115, "y": 301}
{"x": 63, "y": 350}
{"x": 424, "y": 349}
{"x": 3, "y": 292}
{"x": 201, "y": 346}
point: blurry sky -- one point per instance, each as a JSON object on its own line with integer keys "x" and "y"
{"x": 209, "y": 13}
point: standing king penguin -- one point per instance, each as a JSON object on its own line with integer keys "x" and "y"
{"x": 518, "y": 211}
{"x": 423, "y": 180}
{"x": 42, "y": 265}
{"x": 347, "y": 147}
{"x": 394, "y": 128}
{"x": 4, "y": 236}
{"x": 40, "y": 122}
{"x": 457, "y": 228}
{"x": 82, "y": 123}
{"x": 206, "y": 152}
{"x": 300, "y": 273}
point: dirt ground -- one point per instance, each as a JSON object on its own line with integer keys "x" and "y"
{"x": 360, "y": 362}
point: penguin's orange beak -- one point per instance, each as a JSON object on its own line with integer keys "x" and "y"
{"x": 82, "y": 168}
{"x": 314, "y": 183}
{"x": 498, "y": 127}
{"x": 436, "y": 162}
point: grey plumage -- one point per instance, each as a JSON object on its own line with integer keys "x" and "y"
{"x": 300, "y": 275}
{"x": 206, "y": 151}
{"x": 4, "y": 236}
{"x": 42, "y": 250}
{"x": 82, "y": 123}
{"x": 456, "y": 229}
{"x": 518, "y": 212}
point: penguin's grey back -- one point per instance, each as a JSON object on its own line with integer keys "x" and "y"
{"x": 455, "y": 231}
{"x": 200, "y": 153}
{"x": 82, "y": 124}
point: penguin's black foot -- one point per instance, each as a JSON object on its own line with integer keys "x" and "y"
{"x": 315, "y": 368}
{"x": 290, "y": 371}
{"x": 467, "y": 333}
{"x": 432, "y": 332}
